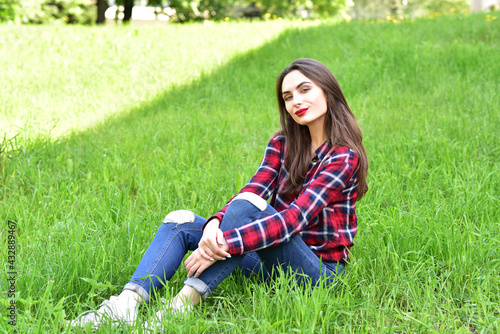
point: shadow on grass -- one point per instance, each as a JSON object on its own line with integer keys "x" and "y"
{"x": 221, "y": 121}
{"x": 215, "y": 128}
{"x": 233, "y": 107}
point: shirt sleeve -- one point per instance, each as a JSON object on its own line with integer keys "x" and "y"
{"x": 264, "y": 181}
{"x": 325, "y": 188}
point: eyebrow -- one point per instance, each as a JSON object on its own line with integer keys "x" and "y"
{"x": 298, "y": 86}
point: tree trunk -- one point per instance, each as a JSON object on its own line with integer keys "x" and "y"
{"x": 102, "y": 6}
{"x": 394, "y": 8}
{"x": 127, "y": 11}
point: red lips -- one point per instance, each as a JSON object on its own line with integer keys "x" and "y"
{"x": 301, "y": 112}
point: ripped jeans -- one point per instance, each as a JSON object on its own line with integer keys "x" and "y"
{"x": 181, "y": 232}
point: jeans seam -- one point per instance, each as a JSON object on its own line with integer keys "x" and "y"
{"x": 157, "y": 260}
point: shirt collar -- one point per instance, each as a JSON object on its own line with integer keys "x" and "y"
{"x": 323, "y": 150}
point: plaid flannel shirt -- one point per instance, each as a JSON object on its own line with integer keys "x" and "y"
{"x": 323, "y": 214}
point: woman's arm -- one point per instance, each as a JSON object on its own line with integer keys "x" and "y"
{"x": 201, "y": 258}
{"x": 264, "y": 181}
{"x": 212, "y": 242}
{"x": 327, "y": 187}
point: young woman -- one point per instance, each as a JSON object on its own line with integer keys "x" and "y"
{"x": 313, "y": 171}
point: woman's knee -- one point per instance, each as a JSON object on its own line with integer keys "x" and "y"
{"x": 182, "y": 221}
{"x": 180, "y": 217}
{"x": 258, "y": 202}
{"x": 243, "y": 209}
{"x": 183, "y": 224}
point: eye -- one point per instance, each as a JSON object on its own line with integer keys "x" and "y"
{"x": 287, "y": 98}
{"x": 305, "y": 89}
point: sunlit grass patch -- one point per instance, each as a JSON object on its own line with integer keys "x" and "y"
{"x": 57, "y": 79}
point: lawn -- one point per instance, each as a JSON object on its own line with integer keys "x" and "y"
{"x": 107, "y": 129}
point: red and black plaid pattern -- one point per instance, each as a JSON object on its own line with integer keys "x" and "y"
{"x": 323, "y": 214}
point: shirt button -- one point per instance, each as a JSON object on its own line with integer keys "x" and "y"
{"x": 315, "y": 159}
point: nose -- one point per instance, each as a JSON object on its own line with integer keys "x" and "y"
{"x": 297, "y": 100}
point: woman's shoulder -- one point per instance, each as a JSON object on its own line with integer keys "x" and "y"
{"x": 279, "y": 135}
{"x": 344, "y": 153}
{"x": 278, "y": 139}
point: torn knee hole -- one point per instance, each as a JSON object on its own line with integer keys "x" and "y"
{"x": 179, "y": 217}
{"x": 254, "y": 199}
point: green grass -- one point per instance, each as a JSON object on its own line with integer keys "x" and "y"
{"x": 106, "y": 146}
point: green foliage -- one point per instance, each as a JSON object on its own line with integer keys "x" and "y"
{"x": 445, "y": 6}
{"x": 280, "y": 8}
{"x": 215, "y": 9}
{"x": 34, "y": 11}
{"x": 185, "y": 10}
{"x": 9, "y": 10}
{"x": 197, "y": 10}
{"x": 72, "y": 11}
{"x": 327, "y": 8}
{"x": 303, "y": 8}
{"x": 409, "y": 8}
{"x": 44, "y": 11}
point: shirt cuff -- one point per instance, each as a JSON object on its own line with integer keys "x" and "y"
{"x": 218, "y": 215}
{"x": 234, "y": 241}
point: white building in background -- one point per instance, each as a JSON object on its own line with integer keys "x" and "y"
{"x": 483, "y": 5}
{"x": 140, "y": 12}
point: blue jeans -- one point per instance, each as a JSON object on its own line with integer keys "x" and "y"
{"x": 182, "y": 231}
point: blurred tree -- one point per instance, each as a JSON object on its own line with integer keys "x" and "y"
{"x": 9, "y": 10}
{"x": 303, "y": 8}
{"x": 445, "y": 6}
{"x": 185, "y": 10}
{"x": 128, "y": 6}
{"x": 44, "y": 11}
{"x": 197, "y": 10}
{"x": 102, "y": 6}
{"x": 397, "y": 8}
{"x": 280, "y": 8}
{"x": 216, "y": 9}
{"x": 327, "y": 8}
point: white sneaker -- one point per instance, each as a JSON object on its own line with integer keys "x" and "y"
{"x": 117, "y": 309}
{"x": 171, "y": 308}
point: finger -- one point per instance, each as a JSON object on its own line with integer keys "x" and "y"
{"x": 192, "y": 269}
{"x": 192, "y": 257}
{"x": 220, "y": 237}
{"x": 206, "y": 255}
{"x": 202, "y": 268}
{"x": 215, "y": 249}
{"x": 189, "y": 266}
{"x": 199, "y": 271}
{"x": 209, "y": 244}
{"x": 188, "y": 260}
{"x": 210, "y": 254}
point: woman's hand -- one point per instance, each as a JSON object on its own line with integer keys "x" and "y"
{"x": 195, "y": 264}
{"x": 213, "y": 245}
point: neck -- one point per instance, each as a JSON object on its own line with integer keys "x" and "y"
{"x": 318, "y": 134}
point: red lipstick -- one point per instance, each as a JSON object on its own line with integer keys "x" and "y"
{"x": 301, "y": 112}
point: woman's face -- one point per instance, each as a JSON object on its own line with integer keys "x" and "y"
{"x": 304, "y": 100}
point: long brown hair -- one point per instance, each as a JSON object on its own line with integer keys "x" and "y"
{"x": 340, "y": 126}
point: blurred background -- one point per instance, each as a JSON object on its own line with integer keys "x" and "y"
{"x": 181, "y": 11}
